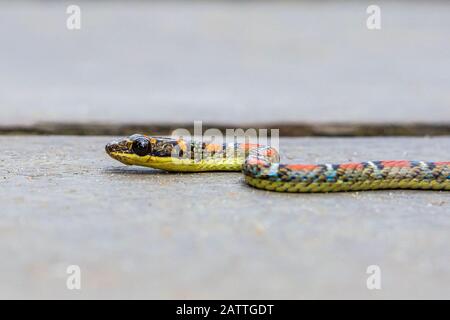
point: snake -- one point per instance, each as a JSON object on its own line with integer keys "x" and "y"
{"x": 262, "y": 169}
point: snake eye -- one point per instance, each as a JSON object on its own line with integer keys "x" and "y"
{"x": 141, "y": 147}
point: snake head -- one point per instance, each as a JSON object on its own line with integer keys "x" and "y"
{"x": 143, "y": 150}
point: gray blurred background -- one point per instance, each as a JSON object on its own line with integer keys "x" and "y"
{"x": 224, "y": 62}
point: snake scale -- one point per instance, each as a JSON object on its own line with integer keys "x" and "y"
{"x": 262, "y": 169}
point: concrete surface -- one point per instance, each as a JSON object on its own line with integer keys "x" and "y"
{"x": 168, "y": 61}
{"x": 141, "y": 233}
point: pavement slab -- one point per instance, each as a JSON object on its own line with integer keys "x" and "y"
{"x": 144, "y": 233}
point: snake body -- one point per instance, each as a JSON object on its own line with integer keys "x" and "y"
{"x": 262, "y": 168}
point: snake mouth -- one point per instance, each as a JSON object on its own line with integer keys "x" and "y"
{"x": 120, "y": 150}
{"x": 122, "y": 146}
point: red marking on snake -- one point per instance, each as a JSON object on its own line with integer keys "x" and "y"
{"x": 247, "y": 146}
{"x": 255, "y": 161}
{"x": 352, "y": 165}
{"x": 301, "y": 166}
{"x": 442, "y": 163}
{"x": 396, "y": 163}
